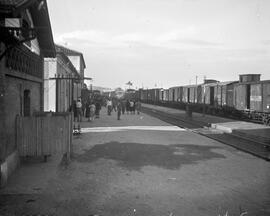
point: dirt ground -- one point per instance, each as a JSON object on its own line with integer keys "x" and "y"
{"x": 120, "y": 170}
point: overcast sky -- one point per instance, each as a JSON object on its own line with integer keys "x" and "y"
{"x": 165, "y": 43}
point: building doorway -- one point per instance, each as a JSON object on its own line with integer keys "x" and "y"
{"x": 26, "y": 103}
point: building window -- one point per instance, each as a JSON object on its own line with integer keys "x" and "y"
{"x": 26, "y": 103}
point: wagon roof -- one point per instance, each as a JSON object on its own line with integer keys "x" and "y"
{"x": 175, "y": 87}
{"x": 219, "y": 83}
{"x": 227, "y": 82}
{"x": 189, "y": 86}
{"x": 254, "y": 82}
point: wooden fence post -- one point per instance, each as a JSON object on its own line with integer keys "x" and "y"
{"x": 68, "y": 140}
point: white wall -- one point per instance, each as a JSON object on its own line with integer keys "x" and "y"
{"x": 49, "y": 85}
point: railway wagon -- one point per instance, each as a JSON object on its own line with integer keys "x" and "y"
{"x": 193, "y": 94}
{"x": 139, "y": 94}
{"x": 230, "y": 94}
{"x": 175, "y": 94}
{"x": 179, "y": 92}
{"x": 254, "y": 96}
{"x": 190, "y": 94}
{"x": 199, "y": 94}
{"x": 260, "y": 96}
{"x": 171, "y": 94}
{"x": 224, "y": 93}
{"x": 266, "y": 96}
{"x": 161, "y": 94}
{"x": 247, "y": 93}
{"x": 249, "y": 96}
{"x": 208, "y": 94}
{"x": 165, "y": 93}
{"x": 143, "y": 94}
{"x": 153, "y": 95}
{"x": 241, "y": 96}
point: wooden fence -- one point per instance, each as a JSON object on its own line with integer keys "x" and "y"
{"x": 44, "y": 134}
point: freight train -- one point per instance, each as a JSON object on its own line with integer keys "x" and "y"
{"x": 247, "y": 98}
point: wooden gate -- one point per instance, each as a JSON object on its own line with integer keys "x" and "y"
{"x": 44, "y": 134}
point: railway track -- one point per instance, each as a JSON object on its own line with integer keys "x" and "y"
{"x": 258, "y": 149}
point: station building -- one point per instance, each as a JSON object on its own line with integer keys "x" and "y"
{"x": 25, "y": 39}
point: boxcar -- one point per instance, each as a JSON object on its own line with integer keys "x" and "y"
{"x": 192, "y": 97}
{"x": 190, "y": 94}
{"x": 256, "y": 96}
{"x": 153, "y": 95}
{"x": 241, "y": 96}
{"x": 252, "y": 96}
{"x": 175, "y": 93}
{"x": 199, "y": 94}
{"x": 266, "y": 96}
{"x": 144, "y": 95}
{"x": 171, "y": 94}
{"x": 208, "y": 93}
{"x": 165, "y": 94}
{"x": 260, "y": 96}
{"x": 224, "y": 93}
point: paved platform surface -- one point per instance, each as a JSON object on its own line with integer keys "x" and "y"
{"x": 143, "y": 166}
{"x": 248, "y": 129}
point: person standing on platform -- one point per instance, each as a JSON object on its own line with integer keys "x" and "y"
{"x": 123, "y": 106}
{"x": 87, "y": 110}
{"x": 109, "y": 106}
{"x": 138, "y": 107}
{"x": 114, "y": 104}
{"x": 127, "y": 106}
{"x": 83, "y": 108}
{"x": 98, "y": 108}
{"x": 119, "y": 109}
{"x": 73, "y": 109}
{"x": 92, "y": 111}
{"x": 79, "y": 109}
{"x": 131, "y": 107}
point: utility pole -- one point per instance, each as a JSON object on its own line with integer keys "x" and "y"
{"x": 204, "y": 79}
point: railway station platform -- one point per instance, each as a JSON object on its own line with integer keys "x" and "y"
{"x": 140, "y": 165}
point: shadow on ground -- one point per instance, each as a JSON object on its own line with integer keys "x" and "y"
{"x": 134, "y": 156}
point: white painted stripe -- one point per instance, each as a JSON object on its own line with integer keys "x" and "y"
{"x": 126, "y": 128}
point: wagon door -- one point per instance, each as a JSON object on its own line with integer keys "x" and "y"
{"x": 188, "y": 95}
{"x": 199, "y": 94}
{"x": 266, "y": 97}
{"x": 240, "y": 97}
{"x": 256, "y": 97}
{"x": 212, "y": 95}
{"x": 248, "y": 96}
{"x": 229, "y": 95}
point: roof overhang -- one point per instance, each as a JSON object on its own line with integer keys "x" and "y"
{"x": 40, "y": 17}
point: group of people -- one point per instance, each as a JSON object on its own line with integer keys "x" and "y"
{"x": 90, "y": 110}
{"x": 123, "y": 106}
